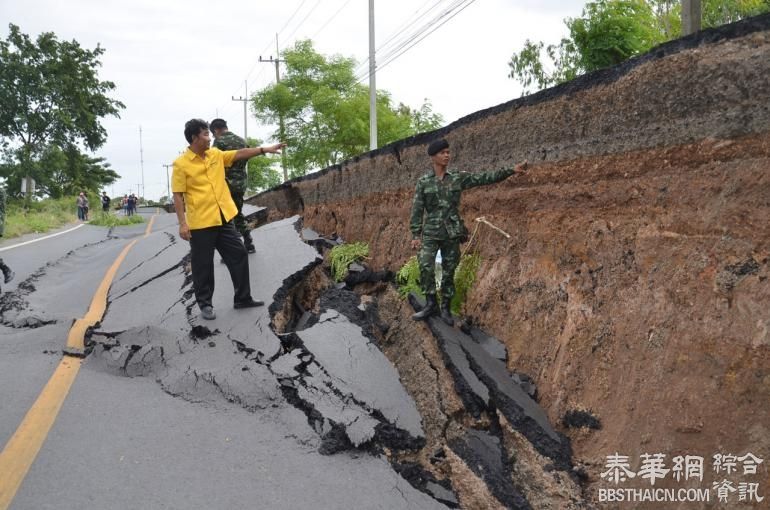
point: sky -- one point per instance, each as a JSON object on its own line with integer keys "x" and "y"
{"x": 173, "y": 60}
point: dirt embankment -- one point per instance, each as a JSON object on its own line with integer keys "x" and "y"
{"x": 635, "y": 282}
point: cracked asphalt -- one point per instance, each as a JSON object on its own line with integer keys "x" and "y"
{"x": 169, "y": 411}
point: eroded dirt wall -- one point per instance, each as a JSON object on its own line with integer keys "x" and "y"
{"x": 635, "y": 282}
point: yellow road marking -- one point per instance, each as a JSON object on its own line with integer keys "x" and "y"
{"x": 149, "y": 225}
{"x": 95, "y": 312}
{"x": 21, "y": 450}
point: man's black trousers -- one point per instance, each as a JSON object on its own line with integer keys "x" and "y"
{"x": 228, "y": 243}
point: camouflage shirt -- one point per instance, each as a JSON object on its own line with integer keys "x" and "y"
{"x": 436, "y": 206}
{"x": 2, "y": 211}
{"x": 236, "y": 175}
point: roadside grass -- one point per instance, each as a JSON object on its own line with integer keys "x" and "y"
{"x": 40, "y": 217}
{"x": 112, "y": 220}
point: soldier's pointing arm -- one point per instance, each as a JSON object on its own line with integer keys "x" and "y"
{"x": 469, "y": 180}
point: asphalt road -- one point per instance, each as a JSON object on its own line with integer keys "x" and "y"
{"x": 169, "y": 411}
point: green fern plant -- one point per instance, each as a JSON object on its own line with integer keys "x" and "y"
{"x": 340, "y": 257}
{"x": 465, "y": 277}
{"x": 408, "y": 278}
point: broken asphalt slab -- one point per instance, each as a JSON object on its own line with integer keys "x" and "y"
{"x": 472, "y": 365}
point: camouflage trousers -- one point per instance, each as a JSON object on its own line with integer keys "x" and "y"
{"x": 240, "y": 220}
{"x": 450, "y": 258}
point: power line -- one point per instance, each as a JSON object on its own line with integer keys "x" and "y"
{"x": 318, "y": 2}
{"x": 404, "y": 41}
{"x": 422, "y": 29}
{"x": 267, "y": 46}
{"x": 330, "y": 19}
{"x": 419, "y": 36}
{"x": 397, "y": 32}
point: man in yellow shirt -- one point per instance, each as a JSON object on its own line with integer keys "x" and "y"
{"x": 199, "y": 186}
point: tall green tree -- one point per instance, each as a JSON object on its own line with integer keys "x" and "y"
{"x": 326, "y": 112}
{"x": 261, "y": 171}
{"x": 51, "y": 96}
{"x": 61, "y": 172}
{"x": 610, "y": 31}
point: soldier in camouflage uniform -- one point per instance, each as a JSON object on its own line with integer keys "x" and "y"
{"x": 8, "y": 274}
{"x": 236, "y": 176}
{"x": 436, "y": 224}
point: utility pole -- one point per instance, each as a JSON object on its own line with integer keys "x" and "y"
{"x": 141, "y": 159}
{"x": 372, "y": 83}
{"x": 691, "y": 16}
{"x": 245, "y": 100}
{"x": 168, "y": 185}
{"x": 277, "y": 61}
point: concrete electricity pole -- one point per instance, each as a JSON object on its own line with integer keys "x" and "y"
{"x": 691, "y": 16}
{"x": 372, "y": 83}
{"x": 245, "y": 100}
{"x": 277, "y": 61}
{"x": 141, "y": 160}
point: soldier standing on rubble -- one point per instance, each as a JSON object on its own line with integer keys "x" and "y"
{"x": 436, "y": 224}
{"x": 236, "y": 177}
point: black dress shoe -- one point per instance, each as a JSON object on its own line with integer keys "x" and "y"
{"x": 248, "y": 304}
{"x": 207, "y": 313}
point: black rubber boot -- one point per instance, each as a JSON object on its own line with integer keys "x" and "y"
{"x": 446, "y": 313}
{"x": 427, "y": 310}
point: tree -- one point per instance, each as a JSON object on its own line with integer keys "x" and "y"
{"x": 51, "y": 97}
{"x": 261, "y": 172}
{"x": 326, "y": 112}
{"x": 61, "y": 172}
{"x": 611, "y": 31}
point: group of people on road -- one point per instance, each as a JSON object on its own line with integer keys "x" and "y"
{"x": 209, "y": 184}
{"x": 128, "y": 204}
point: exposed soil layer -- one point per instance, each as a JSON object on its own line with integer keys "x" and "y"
{"x": 634, "y": 288}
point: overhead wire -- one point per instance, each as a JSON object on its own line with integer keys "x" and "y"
{"x": 418, "y": 35}
{"x": 415, "y": 18}
{"x": 394, "y": 57}
{"x": 266, "y": 48}
{"x": 330, "y": 20}
{"x": 318, "y": 2}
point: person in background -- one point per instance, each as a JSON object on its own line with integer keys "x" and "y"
{"x": 105, "y": 202}
{"x": 82, "y": 203}
{"x": 8, "y": 274}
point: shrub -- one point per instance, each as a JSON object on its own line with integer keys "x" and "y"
{"x": 113, "y": 220}
{"x": 340, "y": 257}
{"x": 408, "y": 278}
